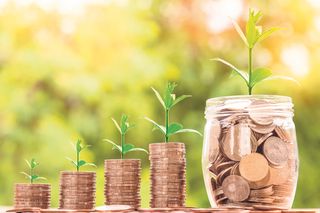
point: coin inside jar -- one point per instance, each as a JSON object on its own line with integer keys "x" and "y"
{"x": 254, "y": 167}
{"x": 236, "y": 188}
{"x": 237, "y": 142}
{"x": 275, "y": 151}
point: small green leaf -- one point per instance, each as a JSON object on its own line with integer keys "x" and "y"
{"x": 72, "y": 161}
{"x": 124, "y": 123}
{"x": 158, "y": 126}
{"x": 41, "y": 178}
{"x": 159, "y": 97}
{"x": 240, "y": 32}
{"x": 252, "y": 31}
{"x": 33, "y": 163}
{"x": 169, "y": 97}
{"x": 127, "y": 147}
{"x": 259, "y": 74}
{"x": 181, "y": 98}
{"x": 173, "y": 128}
{"x": 242, "y": 74}
{"x": 81, "y": 163}
{"x": 26, "y": 175}
{"x": 34, "y": 177}
{"x": 115, "y": 146}
{"x": 116, "y": 124}
{"x": 189, "y": 130}
{"x": 78, "y": 146}
{"x": 267, "y": 33}
{"x": 281, "y": 77}
{"x": 138, "y": 149}
{"x": 28, "y": 163}
{"x": 90, "y": 164}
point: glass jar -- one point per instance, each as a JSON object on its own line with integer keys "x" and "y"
{"x": 250, "y": 154}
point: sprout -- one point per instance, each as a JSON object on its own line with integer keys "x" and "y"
{"x": 254, "y": 34}
{"x": 32, "y": 176}
{"x": 78, "y": 163}
{"x": 123, "y": 128}
{"x": 168, "y": 101}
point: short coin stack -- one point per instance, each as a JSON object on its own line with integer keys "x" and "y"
{"x": 32, "y": 195}
{"x": 122, "y": 182}
{"x": 77, "y": 190}
{"x": 255, "y": 163}
{"x": 168, "y": 175}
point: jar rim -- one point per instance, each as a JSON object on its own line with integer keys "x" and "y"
{"x": 276, "y": 98}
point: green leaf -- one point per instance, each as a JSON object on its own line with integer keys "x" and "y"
{"x": 267, "y": 33}
{"x": 181, "y": 98}
{"x": 259, "y": 74}
{"x": 281, "y": 77}
{"x": 78, "y": 146}
{"x": 27, "y": 175}
{"x": 115, "y": 146}
{"x": 189, "y": 130}
{"x": 33, "y": 163}
{"x": 169, "y": 97}
{"x": 72, "y": 161}
{"x": 34, "y": 177}
{"x": 159, "y": 97}
{"x": 127, "y": 147}
{"x": 158, "y": 126}
{"x": 28, "y": 163}
{"x": 242, "y": 74}
{"x": 252, "y": 31}
{"x": 124, "y": 123}
{"x": 138, "y": 149}
{"x": 239, "y": 31}
{"x": 81, "y": 163}
{"x": 173, "y": 128}
{"x": 90, "y": 164}
{"x": 41, "y": 178}
{"x": 116, "y": 124}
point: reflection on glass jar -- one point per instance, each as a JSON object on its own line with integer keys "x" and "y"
{"x": 250, "y": 154}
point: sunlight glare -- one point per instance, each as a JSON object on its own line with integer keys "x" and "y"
{"x": 296, "y": 57}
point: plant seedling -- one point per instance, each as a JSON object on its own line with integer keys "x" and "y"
{"x": 123, "y": 128}
{"x": 168, "y": 101}
{"x": 32, "y": 176}
{"x": 78, "y": 162}
{"x": 254, "y": 35}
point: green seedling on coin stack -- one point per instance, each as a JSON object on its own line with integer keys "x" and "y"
{"x": 123, "y": 128}
{"x": 78, "y": 162}
{"x": 252, "y": 36}
{"x": 168, "y": 101}
{"x": 32, "y": 176}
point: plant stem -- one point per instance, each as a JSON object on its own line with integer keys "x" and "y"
{"x": 250, "y": 70}
{"x": 31, "y": 173}
{"x": 78, "y": 158}
{"x": 122, "y": 143}
{"x": 167, "y": 125}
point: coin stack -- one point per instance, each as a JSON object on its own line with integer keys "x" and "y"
{"x": 122, "y": 182}
{"x": 77, "y": 190}
{"x": 168, "y": 175}
{"x": 32, "y": 195}
{"x": 253, "y": 160}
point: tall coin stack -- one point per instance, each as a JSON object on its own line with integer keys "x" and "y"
{"x": 77, "y": 190}
{"x": 32, "y": 195}
{"x": 122, "y": 182}
{"x": 168, "y": 175}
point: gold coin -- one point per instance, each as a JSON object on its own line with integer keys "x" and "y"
{"x": 236, "y": 188}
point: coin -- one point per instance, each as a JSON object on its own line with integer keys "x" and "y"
{"x": 236, "y": 143}
{"x": 236, "y": 188}
{"x": 254, "y": 167}
{"x": 275, "y": 151}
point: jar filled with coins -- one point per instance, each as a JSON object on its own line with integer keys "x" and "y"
{"x": 249, "y": 154}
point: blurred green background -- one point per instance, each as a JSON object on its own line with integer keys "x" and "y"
{"x": 67, "y": 67}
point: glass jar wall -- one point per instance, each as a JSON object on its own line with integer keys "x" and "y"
{"x": 249, "y": 154}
